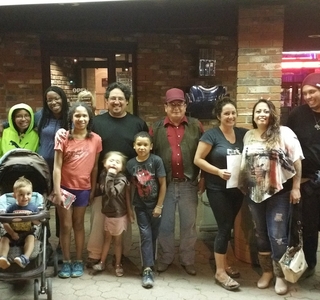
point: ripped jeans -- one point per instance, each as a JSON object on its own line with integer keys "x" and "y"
{"x": 271, "y": 218}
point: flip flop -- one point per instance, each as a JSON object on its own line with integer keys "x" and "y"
{"x": 233, "y": 272}
{"x": 229, "y": 284}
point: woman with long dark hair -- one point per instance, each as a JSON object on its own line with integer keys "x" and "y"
{"x": 53, "y": 116}
{"x": 270, "y": 179}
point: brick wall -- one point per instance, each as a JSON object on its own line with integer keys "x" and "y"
{"x": 20, "y": 71}
{"x": 61, "y": 73}
{"x": 166, "y": 61}
{"x": 260, "y": 41}
{"x": 163, "y": 61}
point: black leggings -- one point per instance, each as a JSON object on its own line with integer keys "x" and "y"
{"x": 225, "y": 206}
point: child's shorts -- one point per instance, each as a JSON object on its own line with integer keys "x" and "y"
{"x": 116, "y": 225}
{"x": 82, "y": 197}
{"x": 21, "y": 240}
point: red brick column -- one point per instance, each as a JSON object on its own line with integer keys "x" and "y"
{"x": 260, "y": 42}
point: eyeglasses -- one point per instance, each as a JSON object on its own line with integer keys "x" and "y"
{"x": 120, "y": 99}
{"x": 49, "y": 101}
{"x": 176, "y": 104}
{"x": 20, "y": 117}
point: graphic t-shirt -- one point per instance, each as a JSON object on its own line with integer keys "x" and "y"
{"x": 17, "y": 209}
{"x": 144, "y": 175}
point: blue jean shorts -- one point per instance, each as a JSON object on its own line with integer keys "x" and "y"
{"x": 82, "y": 197}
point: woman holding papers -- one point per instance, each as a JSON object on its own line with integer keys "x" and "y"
{"x": 215, "y": 146}
{"x": 270, "y": 179}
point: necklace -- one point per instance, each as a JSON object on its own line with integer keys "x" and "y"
{"x": 317, "y": 126}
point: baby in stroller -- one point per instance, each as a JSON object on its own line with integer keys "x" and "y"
{"x": 24, "y": 180}
{"x": 20, "y": 233}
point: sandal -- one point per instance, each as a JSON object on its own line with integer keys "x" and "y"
{"x": 233, "y": 272}
{"x": 119, "y": 270}
{"x": 228, "y": 284}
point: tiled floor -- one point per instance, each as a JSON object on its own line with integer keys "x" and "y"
{"x": 172, "y": 284}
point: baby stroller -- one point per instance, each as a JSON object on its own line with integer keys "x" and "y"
{"x": 14, "y": 164}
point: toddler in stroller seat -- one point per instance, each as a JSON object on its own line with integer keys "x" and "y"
{"x": 19, "y": 233}
{"x": 21, "y": 227}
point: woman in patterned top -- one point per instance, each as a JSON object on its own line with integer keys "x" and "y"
{"x": 270, "y": 179}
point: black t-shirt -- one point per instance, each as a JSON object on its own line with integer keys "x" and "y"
{"x": 302, "y": 121}
{"x": 221, "y": 147}
{"x": 117, "y": 133}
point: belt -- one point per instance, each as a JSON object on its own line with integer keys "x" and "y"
{"x": 180, "y": 179}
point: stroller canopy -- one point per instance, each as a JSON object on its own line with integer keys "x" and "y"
{"x": 21, "y": 162}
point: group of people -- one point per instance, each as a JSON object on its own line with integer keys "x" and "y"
{"x": 113, "y": 160}
{"x": 279, "y": 167}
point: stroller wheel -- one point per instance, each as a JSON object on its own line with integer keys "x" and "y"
{"x": 36, "y": 289}
{"x": 49, "y": 288}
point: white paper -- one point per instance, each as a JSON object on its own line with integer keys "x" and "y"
{"x": 233, "y": 166}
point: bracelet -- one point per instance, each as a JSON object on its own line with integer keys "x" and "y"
{"x": 159, "y": 206}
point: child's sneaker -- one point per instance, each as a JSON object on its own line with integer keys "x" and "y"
{"x": 147, "y": 278}
{"x": 77, "y": 269}
{"x": 99, "y": 267}
{"x": 65, "y": 271}
{"x": 22, "y": 261}
{"x": 4, "y": 263}
{"x": 119, "y": 270}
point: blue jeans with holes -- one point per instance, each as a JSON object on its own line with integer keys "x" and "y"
{"x": 149, "y": 229}
{"x": 271, "y": 220}
{"x": 184, "y": 196}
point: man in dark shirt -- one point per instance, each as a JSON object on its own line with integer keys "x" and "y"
{"x": 117, "y": 129}
{"x": 304, "y": 121}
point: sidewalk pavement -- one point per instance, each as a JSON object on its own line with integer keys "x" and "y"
{"x": 175, "y": 283}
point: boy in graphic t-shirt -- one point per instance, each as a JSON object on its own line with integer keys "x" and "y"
{"x": 149, "y": 179}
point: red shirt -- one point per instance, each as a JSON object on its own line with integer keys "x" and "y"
{"x": 175, "y": 135}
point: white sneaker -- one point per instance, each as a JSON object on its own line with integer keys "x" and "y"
{"x": 4, "y": 263}
{"x": 99, "y": 267}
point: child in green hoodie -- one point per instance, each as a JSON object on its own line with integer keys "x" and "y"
{"x": 20, "y": 133}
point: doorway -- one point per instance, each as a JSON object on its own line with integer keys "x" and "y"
{"x": 77, "y": 67}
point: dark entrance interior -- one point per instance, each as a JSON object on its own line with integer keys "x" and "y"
{"x": 79, "y": 66}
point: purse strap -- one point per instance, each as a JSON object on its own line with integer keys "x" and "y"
{"x": 295, "y": 226}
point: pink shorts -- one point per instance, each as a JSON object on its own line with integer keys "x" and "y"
{"x": 116, "y": 225}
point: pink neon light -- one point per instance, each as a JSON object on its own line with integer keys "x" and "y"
{"x": 300, "y": 65}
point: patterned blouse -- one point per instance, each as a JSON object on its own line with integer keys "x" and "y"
{"x": 263, "y": 171}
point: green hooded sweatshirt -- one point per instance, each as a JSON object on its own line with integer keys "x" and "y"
{"x": 12, "y": 139}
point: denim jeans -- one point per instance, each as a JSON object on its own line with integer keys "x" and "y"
{"x": 184, "y": 196}
{"x": 149, "y": 229}
{"x": 271, "y": 220}
{"x": 310, "y": 223}
{"x": 225, "y": 206}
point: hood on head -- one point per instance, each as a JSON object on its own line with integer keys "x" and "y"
{"x": 21, "y": 106}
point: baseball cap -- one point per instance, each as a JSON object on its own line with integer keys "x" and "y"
{"x": 174, "y": 95}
